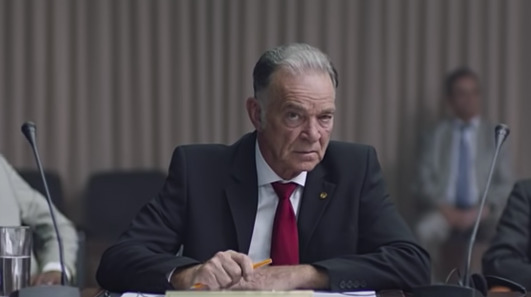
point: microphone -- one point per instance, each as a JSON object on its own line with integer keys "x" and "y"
{"x": 479, "y": 286}
{"x": 29, "y": 131}
{"x": 501, "y": 132}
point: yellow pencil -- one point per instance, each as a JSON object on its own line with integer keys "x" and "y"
{"x": 262, "y": 263}
{"x": 255, "y": 266}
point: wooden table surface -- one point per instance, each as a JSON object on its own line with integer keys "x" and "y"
{"x": 93, "y": 292}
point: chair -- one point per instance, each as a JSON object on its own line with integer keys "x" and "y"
{"x": 112, "y": 199}
{"x": 33, "y": 178}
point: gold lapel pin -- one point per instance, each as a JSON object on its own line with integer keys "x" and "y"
{"x": 323, "y": 195}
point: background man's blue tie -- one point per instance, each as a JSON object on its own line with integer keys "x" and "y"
{"x": 462, "y": 186}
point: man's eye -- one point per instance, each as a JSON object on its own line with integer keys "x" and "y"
{"x": 326, "y": 118}
{"x": 293, "y": 116}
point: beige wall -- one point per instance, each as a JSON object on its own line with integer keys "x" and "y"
{"x": 117, "y": 84}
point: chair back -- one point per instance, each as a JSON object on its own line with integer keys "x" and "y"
{"x": 113, "y": 199}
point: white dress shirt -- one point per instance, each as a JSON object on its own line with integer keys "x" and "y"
{"x": 267, "y": 205}
{"x": 471, "y": 134}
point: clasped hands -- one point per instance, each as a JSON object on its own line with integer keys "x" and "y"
{"x": 230, "y": 270}
{"x": 46, "y": 278}
{"x": 462, "y": 219}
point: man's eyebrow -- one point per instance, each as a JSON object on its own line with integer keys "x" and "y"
{"x": 293, "y": 106}
{"x": 329, "y": 110}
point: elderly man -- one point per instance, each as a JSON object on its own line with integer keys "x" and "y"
{"x": 454, "y": 165}
{"x": 22, "y": 205}
{"x": 319, "y": 209}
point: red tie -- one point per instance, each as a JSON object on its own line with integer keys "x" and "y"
{"x": 285, "y": 239}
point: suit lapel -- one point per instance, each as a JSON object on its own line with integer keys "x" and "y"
{"x": 242, "y": 191}
{"x": 315, "y": 198}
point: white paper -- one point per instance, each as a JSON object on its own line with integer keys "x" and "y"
{"x": 131, "y": 294}
{"x": 315, "y": 294}
{"x": 356, "y": 293}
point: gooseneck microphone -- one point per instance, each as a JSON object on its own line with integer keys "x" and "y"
{"x": 479, "y": 286}
{"x": 501, "y": 132}
{"x": 29, "y": 130}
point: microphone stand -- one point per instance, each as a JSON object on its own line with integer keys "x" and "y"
{"x": 28, "y": 129}
{"x": 502, "y": 131}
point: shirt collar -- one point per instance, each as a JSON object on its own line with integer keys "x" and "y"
{"x": 473, "y": 123}
{"x": 266, "y": 175}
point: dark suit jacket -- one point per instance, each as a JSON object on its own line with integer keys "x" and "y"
{"x": 510, "y": 251}
{"x": 209, "y": 203}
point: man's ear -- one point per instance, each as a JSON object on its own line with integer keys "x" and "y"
{"x": 254, "y": 111}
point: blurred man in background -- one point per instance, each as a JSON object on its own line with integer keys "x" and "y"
{"x": 454, "y": 164}
{"x": 23, "y": 206}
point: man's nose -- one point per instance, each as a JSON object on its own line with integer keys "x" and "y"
{"x": 311, "y": 130}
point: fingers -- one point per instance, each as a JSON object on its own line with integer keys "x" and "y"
{"x": 38, "y": 280}
{"x": 233, "y": 272}
{"x": 224, "y": 270}
{"x": 47, "y": 278}
{"x": 33, "y": 280}
{"x": 245, "y": 264}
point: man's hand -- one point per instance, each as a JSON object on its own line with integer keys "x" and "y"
{"x": 462, "y": 220}
{"x": 222, "y": 271}
{"x": 284, "y": 278}
{"x": 486, "y": 213}
{"x": 451, "y": 214}
{"x": 47, "y": 278}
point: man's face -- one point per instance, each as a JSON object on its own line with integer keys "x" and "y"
{"x": 299, "y": 116}
{"x": 465, "y": 98}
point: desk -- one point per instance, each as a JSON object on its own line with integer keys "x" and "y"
{"x": 91, "y": 292}
{"x": 96, "y": 292}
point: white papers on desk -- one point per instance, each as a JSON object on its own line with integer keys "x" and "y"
{"x": 238, "y": 293}
{"x": 345, "y": 294}
{"x": 315, "y": 294}
{"x": 131, "y": 294}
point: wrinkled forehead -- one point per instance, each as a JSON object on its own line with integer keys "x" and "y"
{"x": 305, "y": 88}
{"x": 283, "y": 78}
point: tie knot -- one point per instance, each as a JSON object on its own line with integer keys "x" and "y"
{"x": 284, "y": 190}
{"x": 465, "y": 126}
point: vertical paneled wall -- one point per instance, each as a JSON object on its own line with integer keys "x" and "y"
{"x": 118, "y": 84}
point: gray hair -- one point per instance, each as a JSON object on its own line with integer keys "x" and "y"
{"x": 296, "y": 58}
